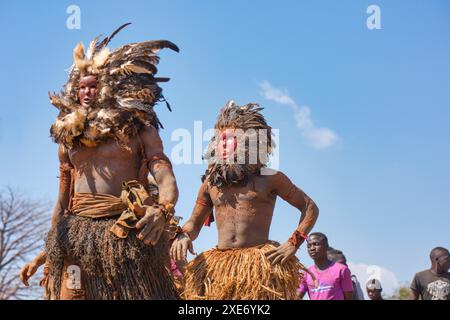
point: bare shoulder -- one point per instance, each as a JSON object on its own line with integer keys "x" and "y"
{"x": 204, "y": 188}
{"x": 63, "y": 154}
{"x": 149, "y": 132}
{"x": 150, "y": 137}
{"x": 273, "y": 175}
{"x": 278, "y": 182}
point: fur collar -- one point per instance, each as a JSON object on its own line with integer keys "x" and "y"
{"x": 226, "y": 175}
{"x": 92, "y": 126}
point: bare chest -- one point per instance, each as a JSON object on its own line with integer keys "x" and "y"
{"x": 253, "y": 194}
{"x": 110, "y": 152}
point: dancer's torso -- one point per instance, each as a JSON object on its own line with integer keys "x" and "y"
{"x": 244, "y": 213}
{"x": 103, "y": 168}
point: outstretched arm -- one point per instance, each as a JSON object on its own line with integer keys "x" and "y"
{"x": 65, "y": 180}
{"x": 284, "y": 188}
{"x": 191, "y": 229}
{"x": 202, "y": 209}
{"x": 62, "y": 204}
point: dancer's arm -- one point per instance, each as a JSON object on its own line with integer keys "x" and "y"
{"x": 30, "y": 269}
{"x": 153, "y": 223}
{"x": 191, "y": 229}
{"x": 309, "y": 213}
{"x": 160, "y": 167}
{"x": 202, "y": 209}
{"x": 65, "y": 180}
{"x": 62, "y": 204}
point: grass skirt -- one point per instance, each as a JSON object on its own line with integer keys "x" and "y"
{"x": 113, "y": 268}
{"x": 241, "y": 274}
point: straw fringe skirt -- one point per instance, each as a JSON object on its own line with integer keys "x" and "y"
{"x": 111, "y": 268}
{"x": 241, "y": 274}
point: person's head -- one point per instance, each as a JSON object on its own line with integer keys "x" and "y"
{"x": 87, "y": 90}
{"x": 240, "y": 147}
{"x": 373, "y": 287}
{"x": 336, "y": 256}
{"x": 440, "y": 259}
{"x": 242, "y": 135}
{"x": 317, "y": 245}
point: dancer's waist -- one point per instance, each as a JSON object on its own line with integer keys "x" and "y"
{"x": 252, "y": 246}
{"x": 97, "y": 205}
{"x": 129, "y": 207}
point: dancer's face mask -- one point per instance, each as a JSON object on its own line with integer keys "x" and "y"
{"x": 227, "y": 144}
{"x": 87, "y": 90}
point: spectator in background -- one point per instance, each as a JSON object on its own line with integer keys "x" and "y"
{"x": 177, "y": 269}
{"x": 434, "y": 283}
{"x": 339, "y": 257}
{"x": 333, "y": 280}
{"x": 373, "y": 287}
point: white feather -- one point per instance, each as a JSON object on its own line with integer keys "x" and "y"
{"x": 101, "y": 57}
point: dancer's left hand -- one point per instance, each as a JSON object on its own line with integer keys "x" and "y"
{"x": 281, "y": 254}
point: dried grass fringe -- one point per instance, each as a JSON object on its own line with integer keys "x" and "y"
{"x": 113, "y": 268}
{"x": 241, "y": 274}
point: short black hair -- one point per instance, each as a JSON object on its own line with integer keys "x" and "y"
{"x": 320, "y": 235}
{"x": 332, "y": 250}
{"x": 335, "y": 252}
{"x": 435, "y": 250}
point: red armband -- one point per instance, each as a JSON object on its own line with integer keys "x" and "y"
{"x": 297, "y": 238}
{"x": 209, "y": 220}
{"x": 201, "y": 202}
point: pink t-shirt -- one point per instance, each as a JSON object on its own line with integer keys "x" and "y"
{"x": 332, "y": 282}
{"x": 175, "y": 271}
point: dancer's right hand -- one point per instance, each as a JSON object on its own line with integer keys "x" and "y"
{"x": 151, "y": 226}
{"x": 30, "y": 269}
{"x": 180, "y": 246}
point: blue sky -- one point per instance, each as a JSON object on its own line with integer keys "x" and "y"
{"x": 382, "y": 187}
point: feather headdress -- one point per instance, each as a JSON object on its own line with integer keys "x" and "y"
{"x": 253, "y": 127}
{"x": 126, "y": 87}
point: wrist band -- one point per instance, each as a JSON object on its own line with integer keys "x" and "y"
{"x": 179, "y": 231}
{"x": 303, "y": 235}
{"x": 297, "y": 238}
{"x": 167, "y": 209}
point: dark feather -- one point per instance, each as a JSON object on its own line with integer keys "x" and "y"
{"x": 168, "y": 105}
{"x": 105, "y": 41}
{"x": 157, "y": 45}
{"x": 159, "y": 79}
{"x": 159, "y": 123}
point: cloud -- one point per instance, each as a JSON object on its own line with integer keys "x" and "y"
{"x": 319, "y": 138}
{"x": 364, "y": 272}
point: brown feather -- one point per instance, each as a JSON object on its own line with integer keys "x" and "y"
{"x": 78, "y": 57}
